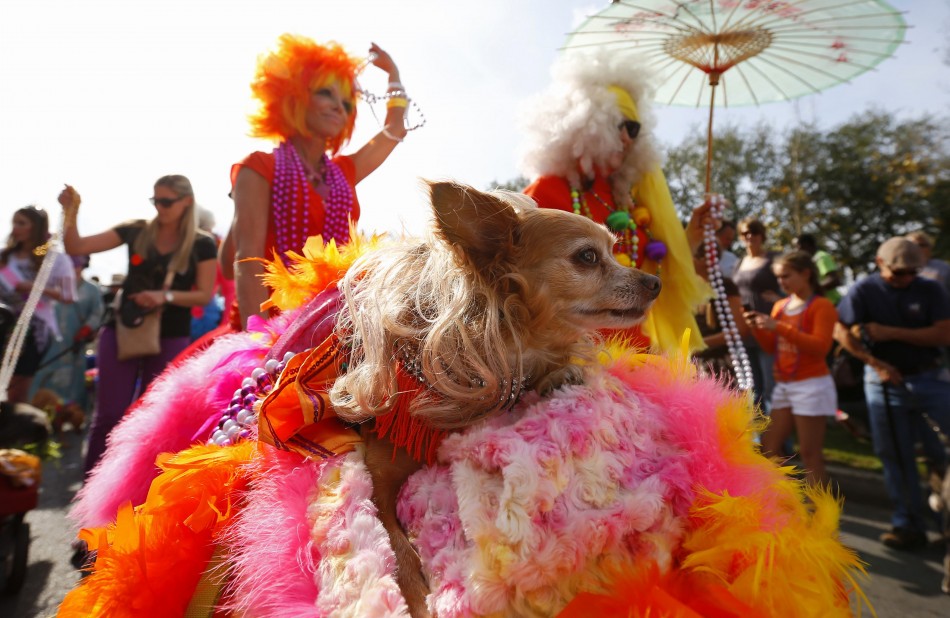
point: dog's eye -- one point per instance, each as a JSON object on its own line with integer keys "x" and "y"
{"x": 587, "y": 256}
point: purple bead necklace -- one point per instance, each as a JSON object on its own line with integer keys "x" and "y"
{"x": 239, "y": 418}
{"x": 291, "y": 201}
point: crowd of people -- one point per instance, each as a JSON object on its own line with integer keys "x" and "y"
{"x": 896, "y": 321}
{"x": 789, "y": 309}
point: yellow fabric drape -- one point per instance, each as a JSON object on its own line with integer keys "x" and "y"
{"x": 683, "y": 290}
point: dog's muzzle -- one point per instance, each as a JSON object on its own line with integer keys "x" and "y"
{"x": 650, "y": 284}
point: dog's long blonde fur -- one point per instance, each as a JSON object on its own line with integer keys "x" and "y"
{"x": 465, "y": 327}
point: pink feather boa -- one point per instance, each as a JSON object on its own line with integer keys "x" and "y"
{"x": 308, "y": 542}
{"x": 524, "y": 511}
{"x": 166, "y": 418}
{"x": 270, "y": 539}
{"x": 184, "y": 403}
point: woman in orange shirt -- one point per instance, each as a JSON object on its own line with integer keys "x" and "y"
{"x": 307, "y": 94}
{"x": 799, "y": 335}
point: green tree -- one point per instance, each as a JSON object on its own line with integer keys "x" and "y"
{"x": 870, "y": 178}
{"x": 744, "y": 167}
{"x": 941, "y": 199}
{"x": 516, "y": 184}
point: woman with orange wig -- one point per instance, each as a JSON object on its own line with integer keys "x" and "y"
{"x": 307, "y": 94}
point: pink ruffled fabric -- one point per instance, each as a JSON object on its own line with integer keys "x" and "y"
{"x": 357, "y": 574}
{"x": 525, "y": 511}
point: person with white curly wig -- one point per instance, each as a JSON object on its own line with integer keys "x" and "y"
{"x": 590, "y": 149}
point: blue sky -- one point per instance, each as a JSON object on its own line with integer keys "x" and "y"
{"x": 109, "y": 95}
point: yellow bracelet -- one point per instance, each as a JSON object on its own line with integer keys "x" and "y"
{"x": 397, "y": 102}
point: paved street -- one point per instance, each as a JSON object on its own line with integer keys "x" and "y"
{"x": 901, "y": 584}
{"x": 49, "y": 575}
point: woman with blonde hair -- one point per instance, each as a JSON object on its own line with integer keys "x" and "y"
{"x": 307, "y": 95}
{"x": 168, "y": 243}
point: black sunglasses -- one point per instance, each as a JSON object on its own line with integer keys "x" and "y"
{"x": 164, "y": 202}
{"x": 631, "y": 126}
{"x": 905, "y": 272}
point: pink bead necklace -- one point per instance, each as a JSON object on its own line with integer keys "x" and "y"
{"x": 290, "y": 201}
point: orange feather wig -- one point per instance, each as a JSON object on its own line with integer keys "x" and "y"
{"x": 285, "y": 80}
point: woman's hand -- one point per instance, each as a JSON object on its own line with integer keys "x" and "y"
{"x": 759, "y": 320}
{"x": 70, "y": 200}
{"x": 149, "y": 299}
{"x": 371, "y": 156}
{"x": 381, "y": 59}
{"x": 701, "y": 217}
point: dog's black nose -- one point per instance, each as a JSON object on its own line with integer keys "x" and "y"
{"x": 651, "y": 284}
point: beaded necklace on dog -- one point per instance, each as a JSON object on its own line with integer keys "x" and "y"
{"x": 238, "y": 420}
{"x": 625, "y": 224}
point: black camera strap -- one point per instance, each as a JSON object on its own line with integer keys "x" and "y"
{"x": 899, "y": 454}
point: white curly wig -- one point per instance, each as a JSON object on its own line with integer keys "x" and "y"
{"x": 571, "y": 128}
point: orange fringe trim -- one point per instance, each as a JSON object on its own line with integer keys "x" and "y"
{"x": 403, "y": 429}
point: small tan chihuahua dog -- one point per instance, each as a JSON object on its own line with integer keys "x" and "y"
{"x": 501, "y": 298}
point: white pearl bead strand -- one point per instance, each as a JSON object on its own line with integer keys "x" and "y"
{"x": 740, "y": 359}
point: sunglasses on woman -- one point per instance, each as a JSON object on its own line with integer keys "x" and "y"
{"x": 905, "y": 272}
{"x": 164, "y": 202}
{"x": 632, "y": 127}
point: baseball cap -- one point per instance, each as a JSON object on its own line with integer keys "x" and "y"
{"x": 900, "y": 253}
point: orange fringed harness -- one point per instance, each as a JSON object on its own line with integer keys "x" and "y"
{"x": 297, "y": 414}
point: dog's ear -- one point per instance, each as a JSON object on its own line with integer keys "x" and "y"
{"x": 482, "y": 225}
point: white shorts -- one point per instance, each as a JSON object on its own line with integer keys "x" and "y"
{"x": 811, "y": 397}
